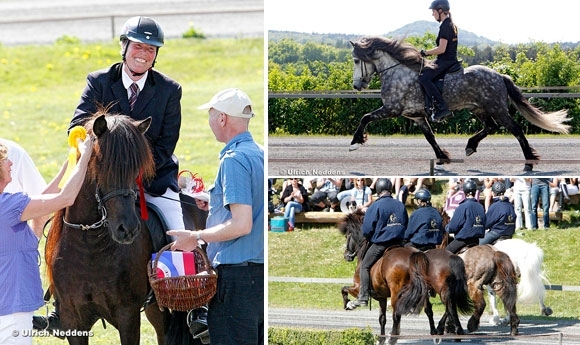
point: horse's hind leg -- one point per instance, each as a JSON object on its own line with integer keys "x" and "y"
{"x": 429, "y": 313}
{"x": 509, "y": 301}
{"x": 442, "y": 155}
{"x": 515, "y": 129}
{"x": 383, "y": 319}
{"x": 489, "y": 127}
{"x": 158, "y": 320}
{"x": 495, "y": 318}
{"x": 479, "y": 307}
{"x": 546, "y": 311}
{"x": 359, "y": 135}
{"x": 129, "y": 326}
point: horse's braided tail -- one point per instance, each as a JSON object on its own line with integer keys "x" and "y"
{"x": 413, "y": 296}
{"x": 553, "y": 122}
{"x": 458, "y": 285}
{"x": 50, "y": 251}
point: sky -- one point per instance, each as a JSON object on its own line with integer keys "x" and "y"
{"x": 507, "y": 21}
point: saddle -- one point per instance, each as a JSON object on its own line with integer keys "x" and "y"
{"x": 430, "y": 106}
{"x": 501, "y": 238}
{"x": 157, "y": 227}
{"x": 464, "y": 249}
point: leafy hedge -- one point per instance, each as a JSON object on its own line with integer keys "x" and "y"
{"x": 316, "y": 67}
{"x": 286, "y": 336}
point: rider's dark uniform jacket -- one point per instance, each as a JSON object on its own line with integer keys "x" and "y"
{"x": 385, "y": 221}
{"x": 501, "y": 217}
{"x": 468, "y": 220}
{"x": 424, "y": 227}
{"x": 448, "y": 31}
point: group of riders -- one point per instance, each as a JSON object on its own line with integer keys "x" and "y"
{"x": 386, "y": 225}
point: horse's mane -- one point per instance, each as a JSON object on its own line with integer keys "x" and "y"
{"x": 400, "y": 50}
{"x": 119, "y": 155}
{"x": 352, "y": 224}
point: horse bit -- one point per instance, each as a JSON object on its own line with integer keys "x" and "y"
{"x": 102, "y": 210}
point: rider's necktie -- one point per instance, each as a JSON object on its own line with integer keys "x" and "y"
{"x": 134, "y": 93}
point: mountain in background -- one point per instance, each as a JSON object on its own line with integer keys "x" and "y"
{"x": 418, "y": 28}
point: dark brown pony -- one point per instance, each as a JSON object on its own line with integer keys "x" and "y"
{"x": 399, "y": 274}
{"x": 486, "y": 266}
{"x": 98, "y": 249}
{"x": 447, "y": 278}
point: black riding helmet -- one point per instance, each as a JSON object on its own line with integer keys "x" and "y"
{"x": 423, "y": 195}
{"x": 143, "y": 30}
{"x": 440, "y": 5}
{"x": 469, "y": 187}
{"x": 498, "y": 188}
{"x": 383, "y": 185}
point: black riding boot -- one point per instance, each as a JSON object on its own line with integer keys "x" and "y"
{"x": 441, "y": 112}
{"x": 433, "y": 94}
{"x": 49, "y": 323}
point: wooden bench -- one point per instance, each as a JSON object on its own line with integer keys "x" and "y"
{"x": 574, "y": 200}
{"x": 314, "y": 217}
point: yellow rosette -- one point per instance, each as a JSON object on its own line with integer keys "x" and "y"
{"x": 77, "y": 132}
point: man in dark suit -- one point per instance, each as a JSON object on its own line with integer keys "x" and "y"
{"x": 158, "y": 96}
{"x": 134, "y": 88}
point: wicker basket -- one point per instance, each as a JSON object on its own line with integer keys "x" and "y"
{"x": 183, "y": 293}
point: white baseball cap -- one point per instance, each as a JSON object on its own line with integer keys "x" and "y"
{"x": 232, "y": 102}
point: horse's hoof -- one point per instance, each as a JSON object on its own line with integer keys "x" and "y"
{"x": 442, "y": 161}
{"x": 528, "y": 167}
{"x": 470, "y": 151}
{"x": 494, "y": 320}
{"x": 472, "y": 324}
{"x": 354, "y": 147}
{"x": 547, "y": 311}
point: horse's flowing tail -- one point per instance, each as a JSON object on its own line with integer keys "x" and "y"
{"x": 531, "y": 287}
{"x": 505, "y": 282}
{"x": 553, "y": 122}
{"x": 50, "y": 251}
{"x": 458, "y": 285}
{"x": 413, "y": 296}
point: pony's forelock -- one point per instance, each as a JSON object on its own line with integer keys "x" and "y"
{"x": 122, "y": 139}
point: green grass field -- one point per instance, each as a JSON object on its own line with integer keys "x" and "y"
{"x": 41, "y": 86}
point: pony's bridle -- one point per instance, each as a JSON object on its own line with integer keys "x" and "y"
{"x": 363, "y": 70}
{"x": 102, "y": 210}
{"x": 352, "y": 254}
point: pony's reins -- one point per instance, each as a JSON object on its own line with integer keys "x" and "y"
{"x": 388, "y": 68}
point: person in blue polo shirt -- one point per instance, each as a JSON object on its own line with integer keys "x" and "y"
{"x": 383, "y": 226}
{"x": 235, "y": 225}
{"x": 500, "y": 218}
{"x": 468, "y": 222}
{"x": 424, "y": 231}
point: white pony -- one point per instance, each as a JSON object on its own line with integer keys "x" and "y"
{"x": 528, "y": 259}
